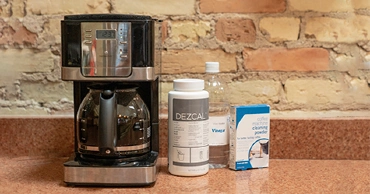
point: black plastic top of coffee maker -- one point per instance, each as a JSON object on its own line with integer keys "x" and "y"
{"x": 105, "y": 17}
{"x": 142, "y": 37}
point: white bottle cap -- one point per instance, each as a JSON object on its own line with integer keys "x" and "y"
{"x": 188, "y": 84}
{"x": 212, "y": 67}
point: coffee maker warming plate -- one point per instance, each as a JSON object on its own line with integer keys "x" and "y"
{"x": 138, "y": 173}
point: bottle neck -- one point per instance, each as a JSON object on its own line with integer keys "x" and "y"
{"x": 211, "y": 74}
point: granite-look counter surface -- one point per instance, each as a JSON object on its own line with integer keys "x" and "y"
{"x": 45, "y": 175}
{"x": 310, "y": 138}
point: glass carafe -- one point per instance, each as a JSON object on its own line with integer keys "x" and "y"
{"x": 113, "y": 122}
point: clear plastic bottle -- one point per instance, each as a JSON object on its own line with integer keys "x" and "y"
{"x": 218, "y": 117}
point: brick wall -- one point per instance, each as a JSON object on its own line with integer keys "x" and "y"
{"x": 292, "y": 54}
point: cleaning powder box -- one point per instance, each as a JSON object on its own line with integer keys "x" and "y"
{"x": 249, "y": 136}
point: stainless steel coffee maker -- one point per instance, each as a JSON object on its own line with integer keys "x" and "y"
{"x": 114, "y": 63}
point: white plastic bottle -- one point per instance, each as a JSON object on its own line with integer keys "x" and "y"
{"x": 218, "y": 117}
{"x": 188, "y": 148}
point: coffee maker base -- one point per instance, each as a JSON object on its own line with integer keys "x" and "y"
{"x": 138, "y": 173}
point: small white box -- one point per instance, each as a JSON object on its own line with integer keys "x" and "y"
{"x": 249, "y": 136}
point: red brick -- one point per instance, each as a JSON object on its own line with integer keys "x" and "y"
{"x": 193, "y": 61}
{"x": 242, "y": 6}
{"x": 23, "y": 36}
{"x": 282, "y": 59}
{"x": 239, "y": 30}
{"x": 16, "y": 34}
{"x": 164, "y": 30}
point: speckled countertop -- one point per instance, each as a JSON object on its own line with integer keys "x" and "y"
{"x": 45, "y": 175}
{"x": 318, "y": 138}
{"x": 33, "y": 150}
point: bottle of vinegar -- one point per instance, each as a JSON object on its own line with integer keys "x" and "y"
{"x": 218, "y": 117}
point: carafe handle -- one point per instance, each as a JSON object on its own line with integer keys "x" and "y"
{"x": 107, "y": 123}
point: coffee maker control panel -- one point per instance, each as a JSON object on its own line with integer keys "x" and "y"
{"x": 110, "y": 47}
{"x": 106, "y": 49}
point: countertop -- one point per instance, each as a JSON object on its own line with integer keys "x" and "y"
{"x": 45, "y": 175}
{"x": 310, "y": 138}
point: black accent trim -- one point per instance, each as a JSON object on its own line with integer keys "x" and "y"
{"x": 105, "y": 17}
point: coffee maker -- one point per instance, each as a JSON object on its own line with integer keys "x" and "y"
{"x": 113, "y": 61}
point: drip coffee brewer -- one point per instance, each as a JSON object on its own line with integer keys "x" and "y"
{"x": 114, "y": 62}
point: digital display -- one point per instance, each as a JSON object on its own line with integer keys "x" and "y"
{"x": 105, "y": 34}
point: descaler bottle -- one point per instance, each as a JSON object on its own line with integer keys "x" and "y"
{"x": 218, "y": 117}
{"x": 188, "y": 148}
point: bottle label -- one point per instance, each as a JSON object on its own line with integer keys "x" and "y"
{"x": 189, "y": 134}
{"x": 218, "y": 130}
{"x": 190, "y": 109}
